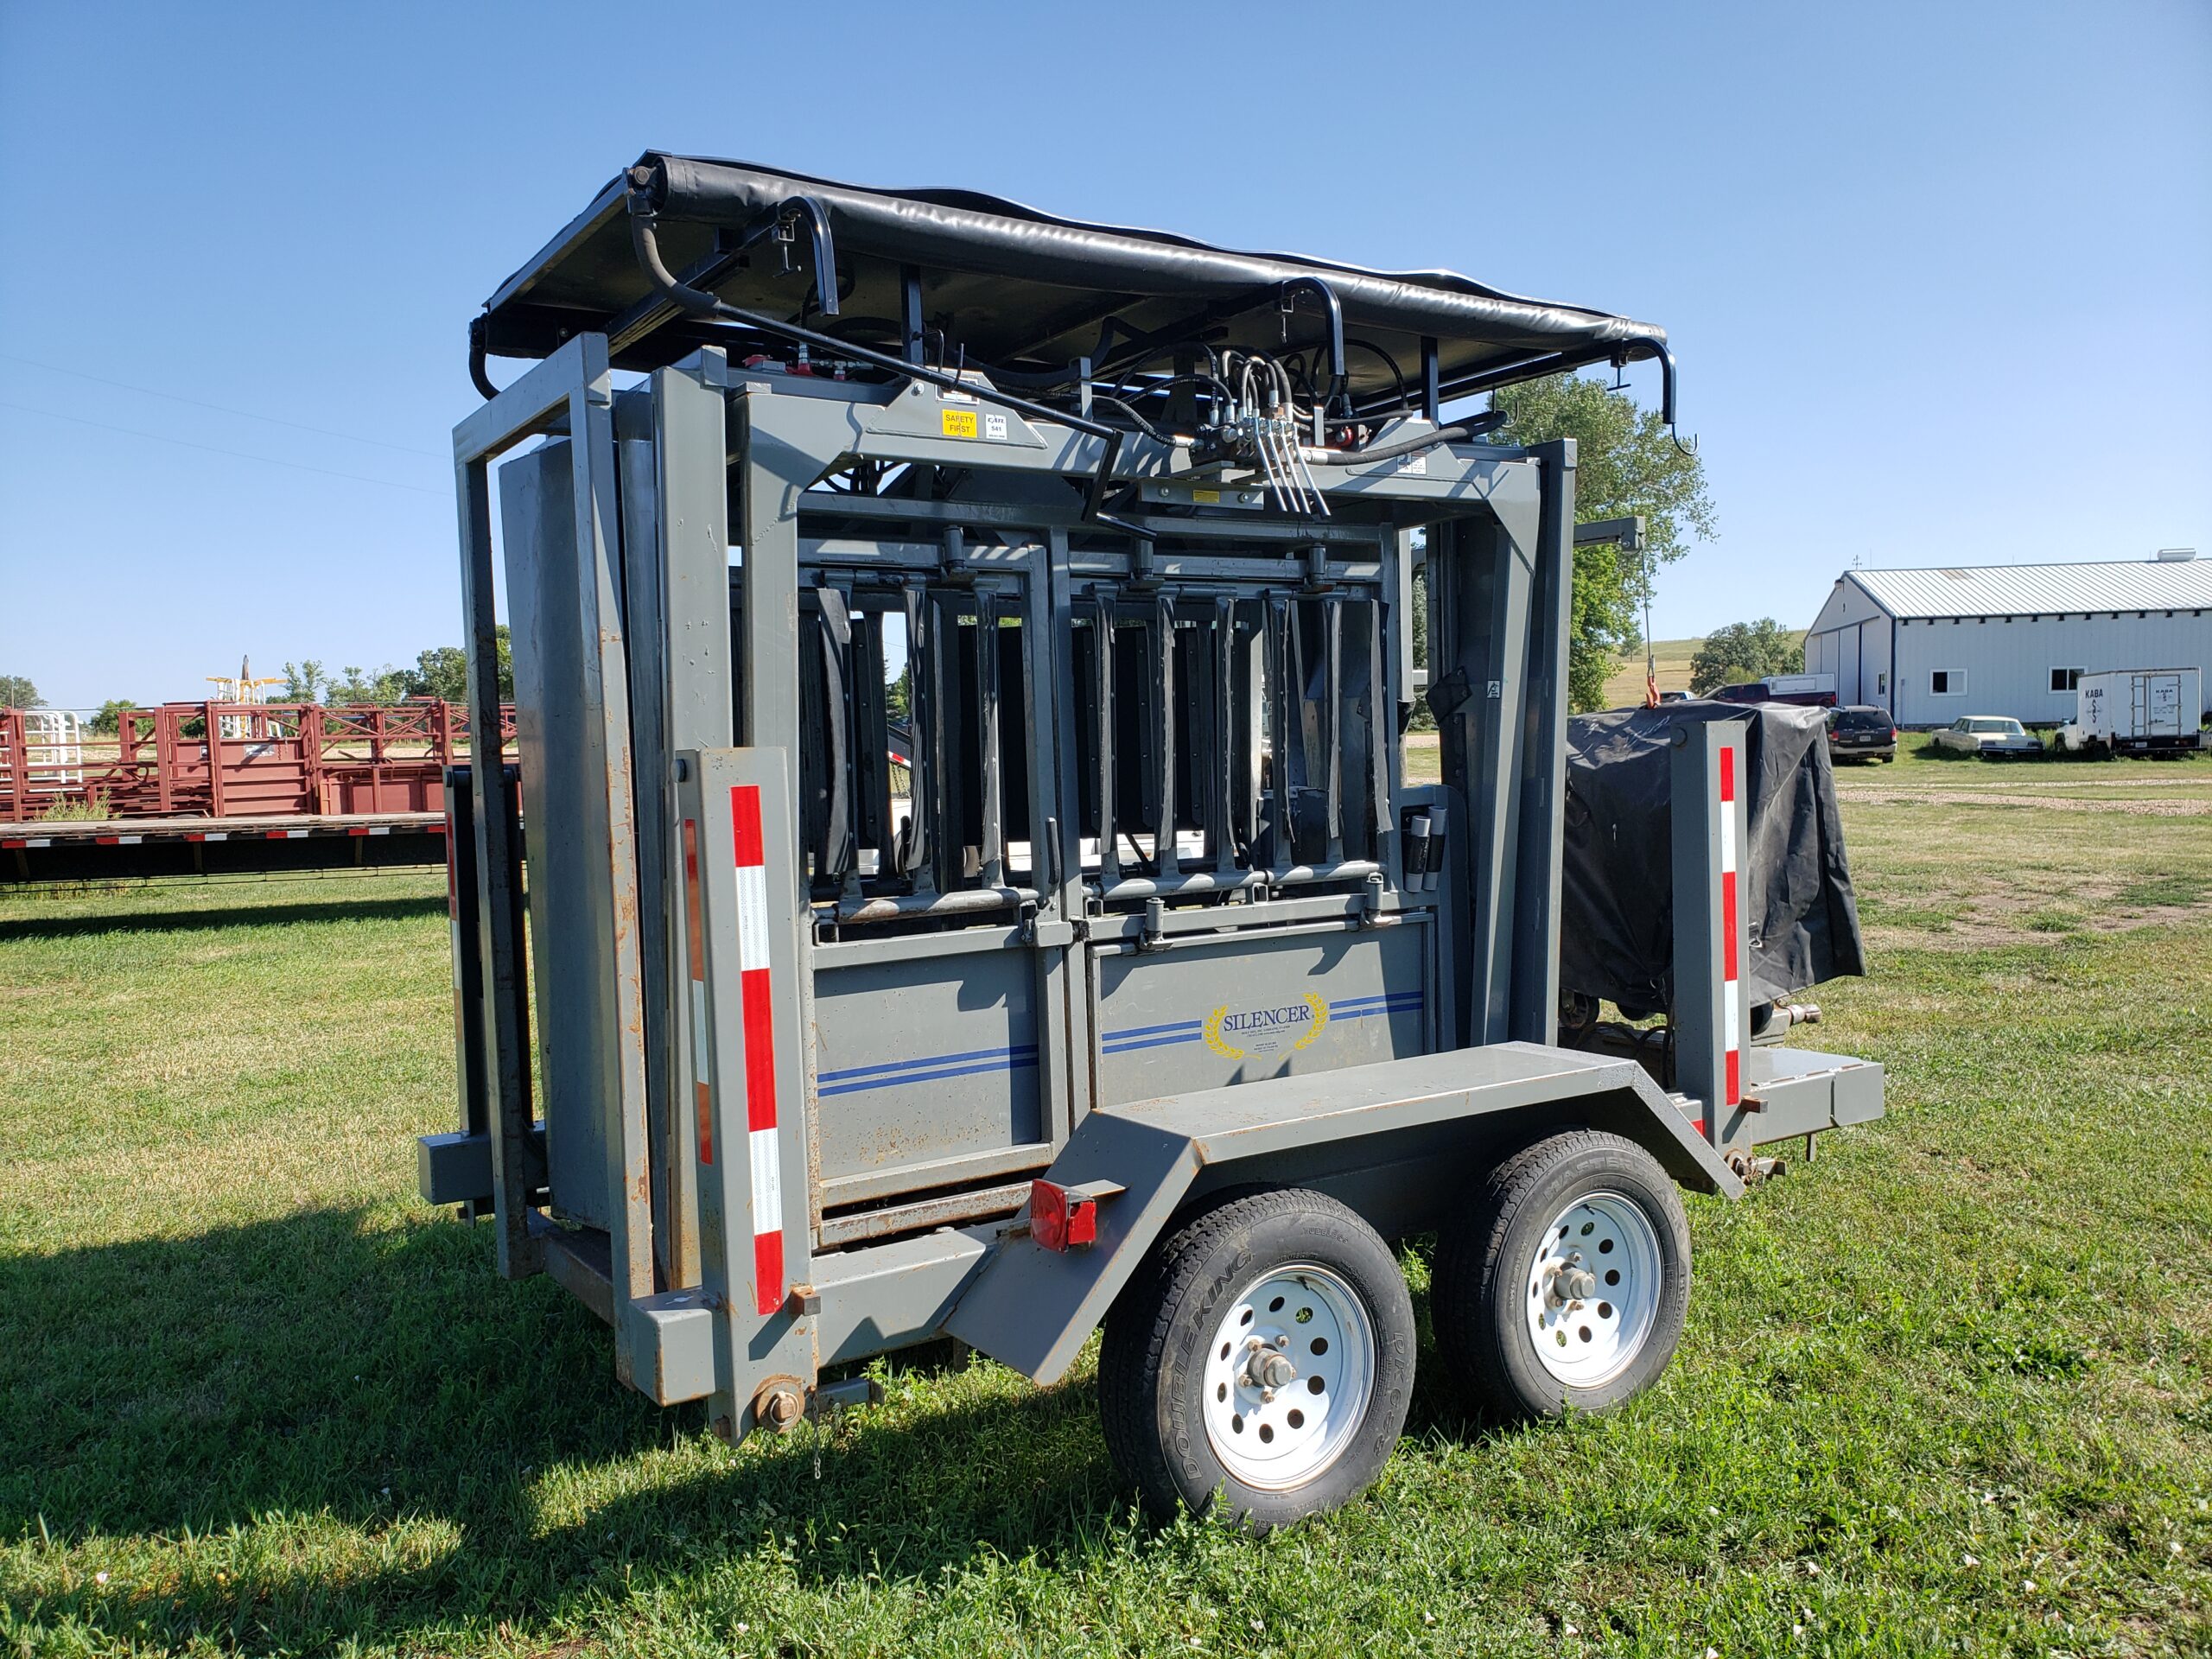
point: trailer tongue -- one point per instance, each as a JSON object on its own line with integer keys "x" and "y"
{"x": 975, "y": 888}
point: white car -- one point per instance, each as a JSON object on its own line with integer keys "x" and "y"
{"x": 1993, "y": 737}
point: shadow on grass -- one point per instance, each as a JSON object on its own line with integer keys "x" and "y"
{"x": 187, "y": 921}
{"x": 315, "y": 1371}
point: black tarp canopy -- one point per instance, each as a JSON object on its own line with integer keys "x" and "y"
{"x": 1617, "y": 916}
{"x": 1015, "y": 287}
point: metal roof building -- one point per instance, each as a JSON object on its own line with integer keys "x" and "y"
{"x": 1930, "y": 646}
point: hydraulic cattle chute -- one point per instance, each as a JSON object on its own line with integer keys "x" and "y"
{"x": 974, "y": 885}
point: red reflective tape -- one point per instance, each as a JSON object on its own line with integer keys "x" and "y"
{"x": 1733, "y": 1091}
{"x": 759, "y": 1051}
{"x": 745, "y": 825}
{"x": 706, "y": 1103}
{"x": 357, "y": 829}
{"x": 105, "y": 841}
{"x": 1728, "y": 926}
{"x": 695, "y": 929}
{"x": 1727, "y": 772}
{"x": 10, "y": 843}
{"x": 437, "y": 828}
{"x": 767, "y": 1272}
{"x": 194, "y": 835}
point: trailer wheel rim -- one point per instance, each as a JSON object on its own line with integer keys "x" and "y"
{"x": 1593, "y": 1288}
{"x": 1288, "y": 1376}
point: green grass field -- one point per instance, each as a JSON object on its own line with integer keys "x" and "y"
{"x": 1948, "y": 1390}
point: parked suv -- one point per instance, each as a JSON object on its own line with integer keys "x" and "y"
{"x": 1991, "y": 736}
{"x": 1862, "y": 732}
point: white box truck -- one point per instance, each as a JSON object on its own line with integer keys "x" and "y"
{"x": 2137, "y": 710}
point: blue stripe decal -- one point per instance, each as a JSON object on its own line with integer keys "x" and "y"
{"x": 1151, "y": 1042}
{"x": 1146, "y": 1030}
{"x": 1016, "y": 1049}
{"x": 1005, "y": 1062}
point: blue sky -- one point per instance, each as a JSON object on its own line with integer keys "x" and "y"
{"x": 1940, "y": 276}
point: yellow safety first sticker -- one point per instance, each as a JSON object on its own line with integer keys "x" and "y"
{"x": 958, "y": 422}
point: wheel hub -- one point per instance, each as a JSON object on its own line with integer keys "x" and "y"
{"x": 1594, "y": 1289}
{"x": 1288, "y": 1376}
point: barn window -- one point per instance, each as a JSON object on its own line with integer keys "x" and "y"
{"x": 2063, "y": 679}
{"x": 1948, "y": 683}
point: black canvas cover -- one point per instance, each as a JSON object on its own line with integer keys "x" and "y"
{"x": 1617, "y": 923}
{"x": 1014, "y": 285}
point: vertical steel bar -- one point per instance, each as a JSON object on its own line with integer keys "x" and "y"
{"x": 1708, "y": 819}
{"x": 915, "y": 840}
{"x": 691, "y": 455}
{"x": 1164, "y": 857}
{"x": 1110, "y": 860}
{"x": 1332, "y": 744}
{"x": 595, "y": 502}
{"x": 1543, "y": 756}
{"x": 1381, "y": 751}
{"x": 948, "y": 833}
{"x": 1221, "y": 787}
{"x": 1280, "y": 623}
{"x": 754, "y": 1135}
{"x": 499, "y": 864}
{"x": 990, "y": 837}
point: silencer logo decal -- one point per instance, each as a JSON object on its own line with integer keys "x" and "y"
{"x": 1245, "y": 1031}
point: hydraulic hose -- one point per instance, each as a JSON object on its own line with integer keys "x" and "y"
{"x": 646, "y": 244}
{"x": 1460, "y": 432}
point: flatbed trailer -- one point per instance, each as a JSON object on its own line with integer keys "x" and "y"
{"x": 1151, "y": 992}
{"x": 131, "y": 849}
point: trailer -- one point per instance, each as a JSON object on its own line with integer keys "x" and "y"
{"x": 1148, "y": 992}
{"x": 1812, "y": 690}
{"x": 2137, "y": 711}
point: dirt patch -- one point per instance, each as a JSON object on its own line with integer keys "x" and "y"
{"x": 2055, "y": 803}
{"x": 2002, "y": 916}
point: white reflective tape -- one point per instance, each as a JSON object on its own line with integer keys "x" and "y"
{"x": 1731, "y": 1036}
{"x": 379, "y": 829}
{"x": 1727, "y": 837}
{"x": 217, "y": 835}
{"x": 40, "y": 841}
{"x": 752, "y": 918}
{"x": 699, "y": 1031}
{"x": 129, "y": 840}
{"x": 768, "y": 1182}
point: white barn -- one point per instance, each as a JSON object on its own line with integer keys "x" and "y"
{"x": 1930, "y": 646}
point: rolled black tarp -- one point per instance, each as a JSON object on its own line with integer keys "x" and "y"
{"x": 1617, "y": 921}
{"x": 1014, "y": 284}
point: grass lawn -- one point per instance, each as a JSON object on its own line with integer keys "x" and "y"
{"x": 1947, "y": 1389}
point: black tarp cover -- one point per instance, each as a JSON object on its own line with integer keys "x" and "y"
{"x": 1617, "y": 923}
{"x": 1013, "y": 283}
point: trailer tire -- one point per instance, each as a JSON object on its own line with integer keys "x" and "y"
{"x": 1286, "y": 1276}
{"x": 1585, "y": 1211}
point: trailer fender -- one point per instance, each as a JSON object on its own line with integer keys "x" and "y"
{"x": 1140, "y": 1163}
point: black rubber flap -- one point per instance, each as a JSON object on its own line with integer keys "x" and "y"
{"x": 1016, "y": 287}
{"x": 1616, "y": 923}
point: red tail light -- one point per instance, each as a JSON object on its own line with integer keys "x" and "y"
{"x": 1060, "y": 1219}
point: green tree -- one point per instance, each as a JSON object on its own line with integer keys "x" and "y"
{"x": 109, "y": 721}
{"x": 1626, "y": 463}
{"x": 303, "y": 682}
{"x": 443, "y": 672}
{"x": 1744, "y": 650}
{"x": 387, "y": 685}
{"x": 18, "y": 692}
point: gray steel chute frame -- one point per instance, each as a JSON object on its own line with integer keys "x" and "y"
{"x": 1152, "y": 855}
